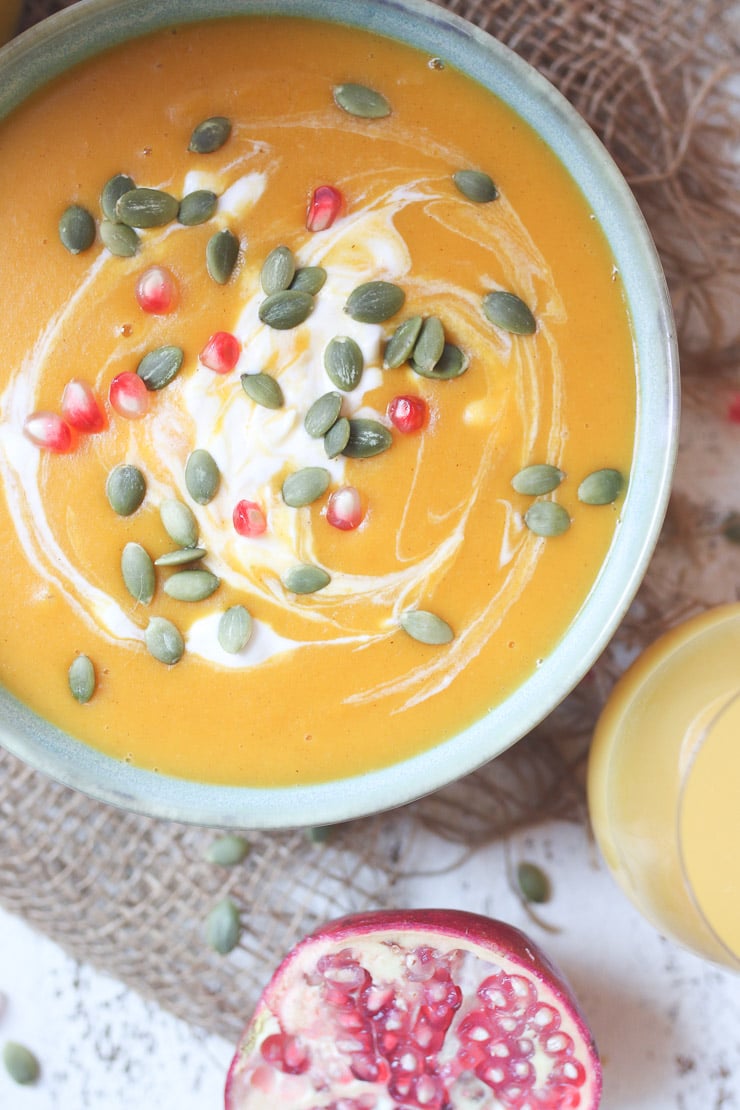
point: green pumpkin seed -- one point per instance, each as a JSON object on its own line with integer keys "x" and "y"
{"x": 306, "y": 579}
{"x": 81, "y": 679}
{"x": 547, "y": 518}
{"x": 76, "y": 229}
{"x": 158, "y": 367}
{"x": 197, "y": 207}
{"x": 305, "y": 486}
{"x": 223, "y": 927}
{"x": 179, "y": 522}
{"x": 601, "y": 487}
{"x": 202, "y": 476}
{"x": 144, "y": 207}
{"x": 113, "y": 190}
{"x": 430, "y": 345}
{"x": 125, "y": 489}
{"x": 337, "y": 438}
{"x": 309, "y": 279}
{"x": 475, "y": 185}
{"x": 731, "y": 527}
{"x": 400, "y": 346}
{"x": 234, "y": 629}
{"x": 359, "y": 100}
{"x": 263, "y": 390}
{"x": 137, "y": 569}
{"x": 180, "y": 556}
{"x": 286, "y": 309}
{"x": 319, "y": 834}
{"x": 537, "y": 479}
{"x": 20, "y": 1063}
{"x": 426, "y": 627}
{"x": 209, "y": 135}
{"x": 191, "y": 585}
{"x": 278, "y": 270}
{"x": 344, "y": 362}
{"x": 222, "y": 251}
{"x": 164, "y": 641}
{"x": 323, "y": 414}
{"x": 452, "y": 364}
{"x": 375, "y": 301}
{"x": 228, "y": 850}
{"x": 366, "y": 438}
{"x": 509, "y": 312}
{"x": 119, "y": 239}
{"x": 534, "y": 884}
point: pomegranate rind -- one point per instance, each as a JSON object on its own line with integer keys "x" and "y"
{"x": 253, "y": 1082}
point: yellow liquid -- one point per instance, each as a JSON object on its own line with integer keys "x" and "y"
{"x": 663, "y": 785}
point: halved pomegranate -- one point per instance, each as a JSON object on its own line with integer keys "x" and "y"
{"x": 416, "y": 1010}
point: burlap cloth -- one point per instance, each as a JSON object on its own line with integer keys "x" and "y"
{"x": 658, "y": 81}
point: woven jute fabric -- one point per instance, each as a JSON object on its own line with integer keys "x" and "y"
{"x": 658, "y": 81}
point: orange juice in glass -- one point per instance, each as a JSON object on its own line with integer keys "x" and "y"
{"x": 664, "y": 784}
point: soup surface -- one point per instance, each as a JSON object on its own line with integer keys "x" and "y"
{"x": 337, "y": 680}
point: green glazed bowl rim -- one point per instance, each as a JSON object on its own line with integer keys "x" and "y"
{"x": 89, "y": 26}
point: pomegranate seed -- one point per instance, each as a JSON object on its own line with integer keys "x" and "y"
{"x": 129, "y": 395}
{"x": 324, "y": 207}
{"x": 221, "y": 352}
{"x": 47, "y": 429}
{"x": 156, "y": 291}
{"x": 249, "y": 520}
{"x": 286, "y": 1053}
{"x": 408, "y": 414}
{"x": 80, "y": 407}
{"x": 733, "y": 409}
{"x": 344, "y": 508}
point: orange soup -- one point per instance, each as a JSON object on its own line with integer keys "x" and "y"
{"x": 250, "y": 587}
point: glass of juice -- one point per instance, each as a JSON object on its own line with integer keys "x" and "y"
{"x": 664, "y": 784}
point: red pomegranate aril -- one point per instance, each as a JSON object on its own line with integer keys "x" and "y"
{"x": 249, "y": 519}
{"x": 221, "y": 352}
{"x": 50, "y": 431}
{"x": 285, "y": 1053}
{"x": 81, "y": 408}
{"x": 344, "y": 508}
{"x": 324, "y": 207}
{"x": 129, "y": 395}
{"x": 156, "y": 291}
{"x": 407, "y": 413}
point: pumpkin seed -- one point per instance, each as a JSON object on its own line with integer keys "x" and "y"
{"x": 344, "y": 362}
{"x": 180, "y": 556}
{"x": 475, "y": 185}
{"x": 209, "y": 135}
{"x": 601, "y": 487}
{"x": 81, "y": 678}
{"x": 366, "y": 438}
{"x": 375, "y": 301}
{"x": 322, "y": 414}
{"x": 534, "y": 884}
{"x": 179, "y": 522}
{"x": 119, "y": 239}
{"x": 426, "y": 627}
{"x": 430, "y": 345}
{"x": 286, "y": 309}
{"x": 137, "y": 569}
{"x": 537, "y": 479}
{"x": 191, "y": 585}
{"x": 309, "y": 279}
{"x": 125, "y": 489}
{"x": 20, "y": 1063}
{"x": 547, "y": 518}
{"x": 158, "y": 367}
{"x": 359, "y": 100}
{"x": 263, "y": 390}
{"x": 164, "y": 641}
{"x": 112, "y": 192}
{"x": 202, "y": 476}
{"x": 197, "y": 207}
{"x": 234, "y": 629}
{"x": 319, "y": 834}
{"x": 337, "y": 438}
{"x": 278, "y": 270}
{"x": 228, "y": 850}
{"x": 144, "y": 207}
{"x": 509, "y": 312}
{"x": 305, "y": 486}
{"x": 400, "y": 346}
{"x": 731, "y": 527}
{"x": 306, "y": 579}
{"x": 76, "y": 229}
{"x": 222, "y": 251}
{"x": 452, "y": 364}
{"x": 223, "y": 927}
